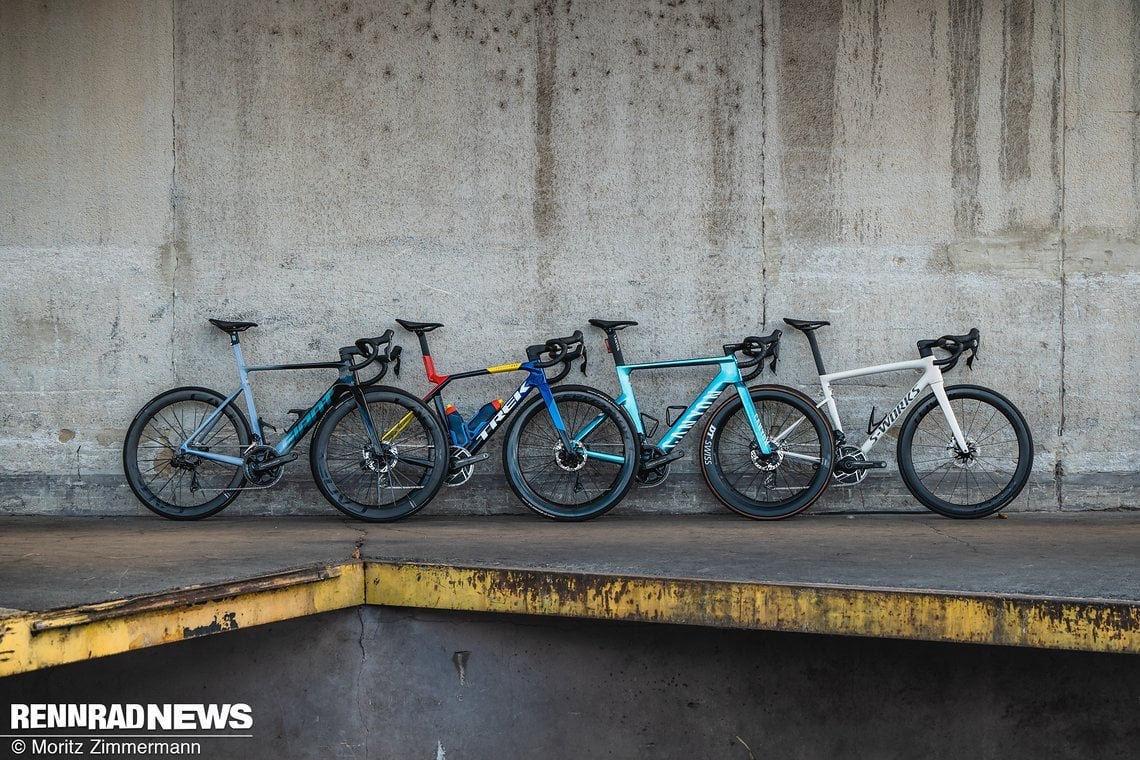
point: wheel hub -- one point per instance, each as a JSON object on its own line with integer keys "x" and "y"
{"x": 963, "y": 460}
{"x": 767, "y": 463}
{"x": 570, "y": 460}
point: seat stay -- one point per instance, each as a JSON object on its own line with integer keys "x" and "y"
{"x": 189, "y": 447}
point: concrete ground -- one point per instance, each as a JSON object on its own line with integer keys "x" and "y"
{"x": 50, "y": 563}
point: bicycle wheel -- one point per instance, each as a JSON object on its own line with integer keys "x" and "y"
{"x": 783, "y": 483}
{"x": 385, "y": 485}
{"x": 184, "y": 486}
{"x": 975, "y": 484}
{"x": 570, "y": 484}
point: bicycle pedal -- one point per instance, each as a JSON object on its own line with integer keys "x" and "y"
{"x": 461, "y": 462}
{"x": 664, "y": 459}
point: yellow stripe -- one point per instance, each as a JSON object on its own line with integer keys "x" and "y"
{"x": 396, "y": 429}
{"x": 29, "y": 641}
{"x": 504, "y": 368}
{"x": 931, "y": 616}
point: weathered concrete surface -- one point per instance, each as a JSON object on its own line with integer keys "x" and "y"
{"x": 383, "y": 682}
{"x": 511, "y": 169}
{"x": 49, "y": 563}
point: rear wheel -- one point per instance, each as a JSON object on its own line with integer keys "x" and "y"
{"x": 571, "y": 483}
{"x": 176, "y": 484}
{"x": 386, "y": 483}
{"x": 975, "y": 483}
{"x": 780, "y": 484}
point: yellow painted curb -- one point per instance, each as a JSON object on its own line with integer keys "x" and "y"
{"x": 30, "y": 641}
{"x": 1096, "y": 626}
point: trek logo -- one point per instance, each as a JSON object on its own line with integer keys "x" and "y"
{"x": 889, "y": 420}
{"x": 506, "y": 409}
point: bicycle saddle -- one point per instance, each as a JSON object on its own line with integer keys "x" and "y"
{"x": 612, "y": 324}
{"x": 418, "y": 327}
{"x": 232, "y": 327}
{"x": 807, "y": 325}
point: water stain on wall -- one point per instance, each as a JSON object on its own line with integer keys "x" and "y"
{"x": 1016, "y": 89}
{"x": 965, "y": 70}
{"x": 808, "y": 53}
{"x": 546, "y": 46}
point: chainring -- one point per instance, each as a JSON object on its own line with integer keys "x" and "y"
{"x": 463, "y": 474}
{"x": 849, "y": 478}
{"x": 256, "y": 472}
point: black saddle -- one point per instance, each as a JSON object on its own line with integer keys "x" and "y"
{"x": 227, "y": 326}
{"x": 610, "y": 325}
{"x": 807, "y": 325}
{"x": 418, "y": 327}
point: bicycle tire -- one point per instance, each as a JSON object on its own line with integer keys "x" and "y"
{"x": 176, "y": 486}
{"x": 560, "y": 486}
{"x": 976, "y": 485}
{"x": 772, "y": 488}
{"x": 379, "y": 487}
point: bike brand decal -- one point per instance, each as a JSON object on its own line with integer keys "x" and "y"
{"x": 507, "y": 408}
{"x": 709, "y": 445}
{"x": 693, "y": 415}
{"x": 894, "y": 413}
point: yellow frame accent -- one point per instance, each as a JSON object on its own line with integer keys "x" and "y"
{"x": 504, "y": 368}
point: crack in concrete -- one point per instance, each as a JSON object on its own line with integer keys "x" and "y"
{"x": 944, "y": 534}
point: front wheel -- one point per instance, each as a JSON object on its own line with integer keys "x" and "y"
{"x": 385, "y": 482}
{"x": 777, "y": 485}
{"x": 584, "y": 480}
{"x": 974, "y": 483}
{"x": 185, "y": 485}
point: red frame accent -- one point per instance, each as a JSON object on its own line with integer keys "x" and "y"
{"x": 432, "y": 377}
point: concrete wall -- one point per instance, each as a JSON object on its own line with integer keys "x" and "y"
{"x": 397, "y": 683}
{"x": 512, "y": 168}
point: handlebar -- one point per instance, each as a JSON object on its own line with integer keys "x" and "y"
{"x": 955, "y": 345}
{"x": 369, "y": 349}
{"x": 559, "y": 351}
{"x": 757, "y": 349}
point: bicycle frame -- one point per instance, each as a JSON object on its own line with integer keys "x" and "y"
{"x": 728, "y": 374}
{"x": 931, "y": 378}
{"x": 346, "y": 383}
{"x": 535, "y": 379}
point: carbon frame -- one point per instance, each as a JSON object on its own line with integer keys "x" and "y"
{"x": 728, "y": 375}
{"x": 345, "y": 384}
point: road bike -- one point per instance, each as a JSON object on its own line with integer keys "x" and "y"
{"x": 554, "y": 463}
{"x": 191, "y": 451}
{"x": 963, "y": 451}
{"x": 766, "y": 452}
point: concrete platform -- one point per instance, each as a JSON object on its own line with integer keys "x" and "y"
{"x": 78, "y": 588}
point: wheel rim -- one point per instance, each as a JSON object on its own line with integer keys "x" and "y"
{"x": 379, "y": 480}
{"x": 569, "y": 478}
{"x": 975, "y": 477}
{"x": 187, "y": 481}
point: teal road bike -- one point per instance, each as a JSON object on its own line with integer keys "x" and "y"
{"x": 766, "y": 451}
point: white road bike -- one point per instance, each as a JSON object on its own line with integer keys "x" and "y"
{"x": 968, "y": 461}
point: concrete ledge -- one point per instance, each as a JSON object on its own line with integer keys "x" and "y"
{"x": 31, "y": 641}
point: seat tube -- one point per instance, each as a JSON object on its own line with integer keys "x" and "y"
{"x": 247, "y": 392}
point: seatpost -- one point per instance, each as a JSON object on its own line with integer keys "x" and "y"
{"x": 815, "y": 352}
{"x": 429, "y": 363}
{"x": 614, "y": 346}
